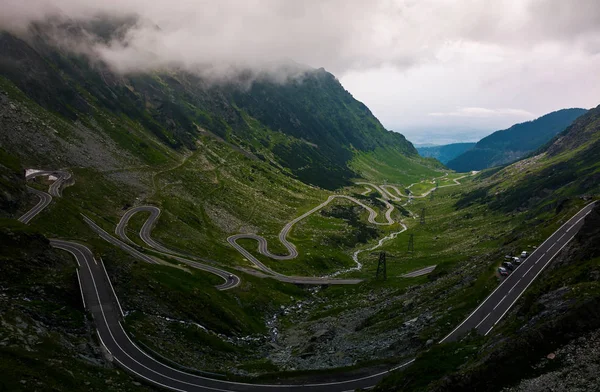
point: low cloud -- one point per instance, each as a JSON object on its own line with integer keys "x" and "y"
{"x": 340, "y": 35}
{"x": 416, "y": 64}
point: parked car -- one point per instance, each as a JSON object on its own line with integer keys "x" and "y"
{"x": 508, "y": 257}
{"x": 524, "y": 254}
{"x": 516, "y": 260}
{"x": 508, "y": 265}
{"x": 503, "y": 271}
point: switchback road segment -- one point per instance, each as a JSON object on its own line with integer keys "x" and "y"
{"x": 101, "y": 301}
{"x": 55, "y": 189}
{"x": 62, "y": 179}
{"x": 230, "y": 280}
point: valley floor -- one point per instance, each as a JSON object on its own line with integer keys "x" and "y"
{"x": 337, "y": 327}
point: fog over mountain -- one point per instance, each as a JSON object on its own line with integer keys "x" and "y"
{"x": 460, "y": 63}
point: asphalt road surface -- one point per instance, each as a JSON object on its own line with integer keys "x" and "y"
{"x": 62, "y": 179}
{"x": 101, "y": 301}
{"x": 45, "y": 199}
{"x": 146, "y": 227}
{"x": 499, "y": 302}
{"x": 55, "y": 189}
{"x": 99, "y": 298}
{"x": 395, "y": 198}
{"x": 120, "y": 244}
{"x": 422, "y": 271}
{"x": 381, "y": 189}
{"x": 231, "y": 280}
{"x": 292, "y": 251}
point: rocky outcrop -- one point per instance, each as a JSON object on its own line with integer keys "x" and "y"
{"x": 570, "y": 368}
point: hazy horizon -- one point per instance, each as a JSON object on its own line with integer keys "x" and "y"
{"x": 440, "y": 137}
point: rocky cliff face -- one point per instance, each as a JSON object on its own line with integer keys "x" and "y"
{"x": 572, "y": 367}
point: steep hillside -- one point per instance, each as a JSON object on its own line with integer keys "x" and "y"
{"x": 445, "y": 153}
{"x": 511, "y": 144}
{"x": 48, "y": 340}
{"x": 308, "y": 124}
{"x": 12, "y": 184}
{"x": 565, "y": 167}
{"x": 549, "y": 340}
{"x": 218, "y": 160}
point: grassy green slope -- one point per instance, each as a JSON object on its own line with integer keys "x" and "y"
{"x": 395, "y": 167}
{"x": 511, "y": 144}
{"x": 218, "y": 162}
{"x": 206, "y": 194}
{"x": 566, "y": 167}
{"x": 533, "y": 197}
{"x": 560, "y": 307}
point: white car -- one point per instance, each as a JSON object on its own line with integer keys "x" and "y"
{"x": 524, "y": 254}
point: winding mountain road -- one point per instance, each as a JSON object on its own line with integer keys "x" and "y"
{"x": 55, "y": 189}
{"x": 100, "y": 300}
{"x": 385, "y": 195}
{"x": 231, "y": 280}
{"x": 62, "y": 179}
{"x": 424, "y": 194}
{"x": 146, "y": 227}
{"x": 45, "y": 200}
{"x": 293, "y": 252}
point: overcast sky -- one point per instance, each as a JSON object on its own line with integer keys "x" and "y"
{"x": 436, "y": 70}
